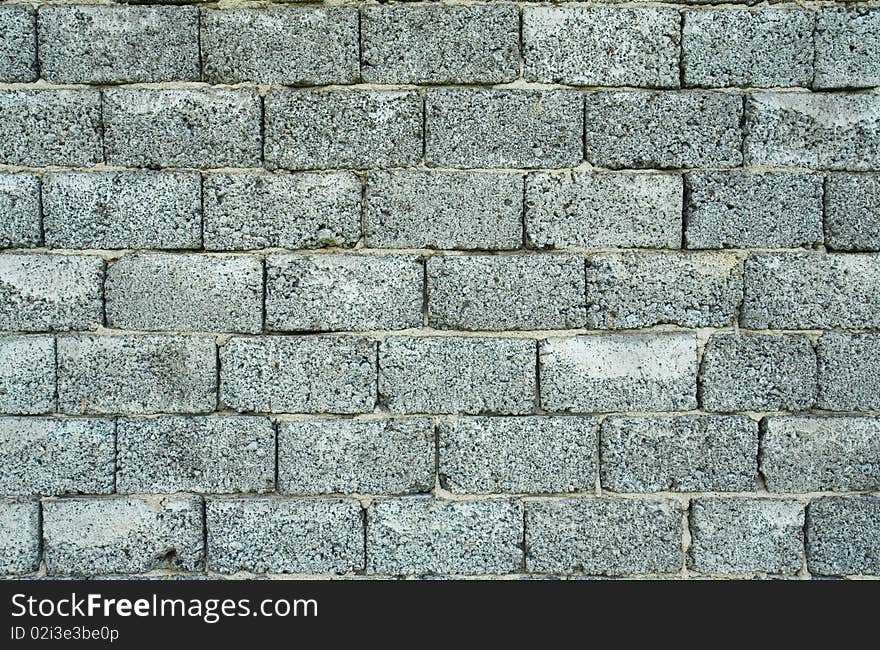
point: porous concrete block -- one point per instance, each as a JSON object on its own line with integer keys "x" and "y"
{"x": 447, "y": 210}
{"x": 603, "y": 210}
{"x": 641, "y": 289}
{"x": 820, "y": 454}
{"x": 327, "y": 456}
{"x": 471, "y": 127}
{"x": 304, "y": 210}
{"x": 603, "y": 536}
{"x": 136, "y": 374}
{"x": 112, "y": 44}
{"x": 331, "y": 129}
{"x": 741, "y": 536}
{"x": 314, "y": 374}
{"x": 764, "y": 48}
{"x": 343, "y": 292}
{"x": 601, "y": 46}
{"x": 45, "y": 291}
{"x": 30, "y": 121}
{"x": 849, "y": 372}
{"x": 432, "y": 43}
{"x": 19, "y": 208}
{"x": 195, "y": 454}
{"x": 182, "y": 128}
{"x": 836, "y": 131}
{"x": 122, "y": 210}
{"x": 27, "y": 374}
{"x": 811, "y": 291}
{"x": 643, "y": 129}
{"x": 163, "y": 291}
{"x": 20, "y": 545}
{"x": 423, "y": 535}
{"x": 758, "y": 372}
{"x": 510, "y": 292}
{"x": 18, "y": 51}
{"x": 285, "y": 535}
{"x": 51, "y": 456}
{"x": 497, "y": 455}
{"x": 852, "y": 212}
{"x": 752, "y": 210}
{"x": 88, "y": 536}
{"x": 690, "y": 453}
{"x": 619, "y": 372}
{"x": 847, "y": 47}
{"x": 454, "y": 374}
{"x": 843, "y": 536}
{"x": 301, "y": 46}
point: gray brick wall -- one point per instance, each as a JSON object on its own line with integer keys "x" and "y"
{"x": 427, "y": 289}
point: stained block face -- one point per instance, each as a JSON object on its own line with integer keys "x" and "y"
{"x": 27, "y": 374}
{"x": 19, "y": 210}
{"x": 20, "y": 535}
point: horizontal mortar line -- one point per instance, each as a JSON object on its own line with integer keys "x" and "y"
{"x": 684, "y": 4}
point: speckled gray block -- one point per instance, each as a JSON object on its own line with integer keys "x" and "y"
{"x": 312, "y": 46}
{"x": 182, "y": 128}
{"x": 422, "y": 535}
{"x": 601, "y": 46}
{"x": 642, "y": 129}
{"x": 497, "y": 455}
{"x": 838, "y": 131}
{"x": 849, "y": 372}
{"x": 50, "y": 456}
{"x": 640, "y": 289}
{"x": 749, "y": 210}
{"x": 27, "y": 374}
{"x": 315, "y": 374}
{"x": 843, "y": 535}
{"x": 389, "y": 456}
{"x": 195, "y": 454}
{"x": 691, "y": 453}
{"x": 603, "y": 536}
{"x": 18, "y": 50}
{"x": 122, "y": 210}
{"x": 457, "y": 375}
{"x": 741, "y": 536}
{"x": 852, "y": 212}
{"x": 608, "y": 209}
{"x": 847, "y": 47}
{"x": 88, "y": 536}
{"x": 20, "y": 546}
{"x": 470, "y": 127}
{"x": 19, "y": 209}
{"x": 428, "y": 43}
{"x": 755, "y": 372}
{"x": 161, "y": 291}
{"x": 136, "y": 374}
{"x": 818, "y": 454}
{"x": 30, "y": 121}
{"x": 306, "y": 210}
{"x": 50, "y": 292}
{"x": 112, "y": 44}
{"x": 811, "y": 291}
{"x": 343, "y": 292}
{"x": 285, "y": 535}
{"x": 417, "y": 209}
{"x": 360, "y": 129}
{"x": 511, "y": 292}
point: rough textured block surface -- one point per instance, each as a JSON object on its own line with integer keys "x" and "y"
{"x": 20, "y": 546}
{"x": 847, "y": 47}
{"x": 842, "y": 535}
{"x": 285, "y": 535}
{"x": 755, "y": 372}
{"x": 195, "y": 454}
{"x": 699, "y": 453}
{"x": 849, "y": 372}
{"x": 457, "y": 375}
{"x": 427, "y": 536}
{"x": 852, "y": 212}
{"x": 86, "y": 536}
{"x": 603, "y": 536}
{"x": 19, "y": 209}
{"x": 356, "y": 456}
{"x": 730, "y": 535}
{"x": 498, "y": 455}
{"x": 18, "y": 51}
{"x": 818, "y": 454}
{"x": 27, "y": 374}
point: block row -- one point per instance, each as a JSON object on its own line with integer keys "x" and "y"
{"x": 435, "y": 44}
{"x": 442, "y": 127}
{"x": 597, "y": 373}
{"x": 425, "y": 536}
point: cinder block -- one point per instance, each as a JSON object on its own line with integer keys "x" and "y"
{"x": 852, "y": 212}
{"x": 849, "y": 372}
{"x": 842, "y": 534}
{"x": 27, "y": 374}
{"x": 847, "y": 47}
{"x": 18, "y": 51}
{"x": 19, "y": 208}
{"x": 20, "y": 545}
